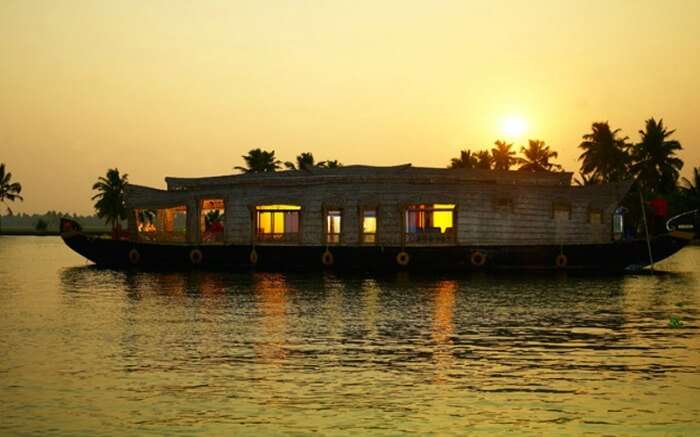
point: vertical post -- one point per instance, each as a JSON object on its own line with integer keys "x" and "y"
{"x": 646, "y": 230}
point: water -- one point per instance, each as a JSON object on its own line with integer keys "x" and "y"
{"x": 85, "y": 350}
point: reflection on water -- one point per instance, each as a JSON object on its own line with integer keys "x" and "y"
{"x": 84, "y": 348}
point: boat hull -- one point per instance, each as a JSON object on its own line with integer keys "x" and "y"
{"x": 613, "y": 257}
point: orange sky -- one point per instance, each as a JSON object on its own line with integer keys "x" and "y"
{"x": 184, "y": 88}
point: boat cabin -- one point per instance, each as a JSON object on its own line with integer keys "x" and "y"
{"x": 376, "y": 206}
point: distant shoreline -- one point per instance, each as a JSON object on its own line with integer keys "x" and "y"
{"x": 35, "y": 233}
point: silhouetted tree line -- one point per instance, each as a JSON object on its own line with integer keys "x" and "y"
{"x": 607, "y": 157}
{"x": 49, "y": 221}
{"x": 262, "y": 161}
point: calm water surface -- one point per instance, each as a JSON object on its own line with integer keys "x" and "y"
{"x": 83, "y": 349}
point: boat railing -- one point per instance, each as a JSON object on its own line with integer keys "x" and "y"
{"x": 431, "y": 237}
{"x": 687, "y": 221}
{"x": 287, "y": 237}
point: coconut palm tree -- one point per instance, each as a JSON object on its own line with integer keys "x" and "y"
{"x": 9, "y": 191}
{"x": 537, "y": 157}
{"x": 692, "y": 186}
{"x": 654, "y": 161}
{"x": 605, "y": 155}
{"x": 304, "y": 160}
{"x": 466, "y": 159}
{"x": 330, "y": 164}
{"x": 484, "y": 159}
{"x": 110, "y": 198}
{"x": 503, "y": 156}
{"x": 259, "y": 161}
{"x": 584, "y": 180}
{"x": 691, "y": 189}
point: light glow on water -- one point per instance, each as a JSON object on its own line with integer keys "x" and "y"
{"x": 84, "y": 349}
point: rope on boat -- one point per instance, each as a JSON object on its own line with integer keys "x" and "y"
{"x": 646, "y": 230}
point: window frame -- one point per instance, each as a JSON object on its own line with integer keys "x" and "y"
{"x": 590, "y": 212}
{"x": 444, "y": 238}
{"x": 361, "y": 234}
{"x": 324, "y": 220}
{"x": 175, "y": 236}
{"x": 561, "y": 205}
{"x": 201, "y": 220}
{"x": 284, "y": 237}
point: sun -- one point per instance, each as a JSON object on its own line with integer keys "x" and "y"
{"x": 513, "y": 127}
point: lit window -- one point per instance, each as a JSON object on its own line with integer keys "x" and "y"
{"x": 211, "y": 220}
{"x": 162, "y": 224}
{"x": 369, "y": 226}
{"x": 277, "y": 222}
{"x": 333, "y": 225}
{"x": 430, "y": 223}
{"x": 595, "y": 216}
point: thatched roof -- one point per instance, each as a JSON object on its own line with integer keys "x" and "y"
{"x": 370, "y": 174}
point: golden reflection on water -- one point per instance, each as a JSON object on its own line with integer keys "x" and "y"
{"x": 271, "y": 293}
{"x": 259, "y": 353}
{"x": 443, "y": 328}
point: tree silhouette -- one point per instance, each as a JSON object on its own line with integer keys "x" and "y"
{"x": 110, "y": 203}
{"x": 654, "y": 161}
{"x": 330, "y": 164}
{"x": 306, "y": 161}
{"x": 584, "y": 180}
{"x": 503, "y": 156}
{"x": 537, "y": 157}
{"x": 9, "y": 191}
{"x": 691, "y": 189}
{"x": 466, "y": 160}
{"x": 605, "y": 156}
{"x": 692, "y": 186}
{"x": 484, "y": 159}
{"x": 259, "y": 161}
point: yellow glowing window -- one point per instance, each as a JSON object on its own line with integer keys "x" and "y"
{"x": 278, "y": 207}
{"x": 595, "y": 217}
{"x": 277, "y": 220}
{"x": 427, "y": 218}
{"x": 369, "y": 225}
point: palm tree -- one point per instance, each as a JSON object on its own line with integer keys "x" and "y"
{"x": 654, "y": 163}
{"x": 466, "y": 160}
{"x": 692, "y": 187}
{"x": 537, "y": 157}
{"x": 585, "y": 180}
{"x": 605, "y": 155}
{"x": 304, "y": 160}
{"x": 691, "y": 190}
{"x": 259, "y": 161}
{"x": 484, "y": 159}
{"x": 330, "y": 164}
{"x": 110, "y": 198}
{"x": 503, "y": 156}
{"x": 9, "y": 191}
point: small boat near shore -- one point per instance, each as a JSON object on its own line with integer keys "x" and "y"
{"x": 378, "y": 219}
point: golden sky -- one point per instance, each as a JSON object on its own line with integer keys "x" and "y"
{"x": 183, "y": 88}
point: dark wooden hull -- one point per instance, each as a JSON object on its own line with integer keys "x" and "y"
{"x": 613, "y": 257}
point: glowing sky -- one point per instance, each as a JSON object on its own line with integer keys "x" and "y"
{"x": 184, "y": 88}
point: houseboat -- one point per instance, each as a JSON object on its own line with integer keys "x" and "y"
{"x": 377, "y": 219}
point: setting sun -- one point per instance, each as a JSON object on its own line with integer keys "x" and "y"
{"x": 513, "y": 127}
